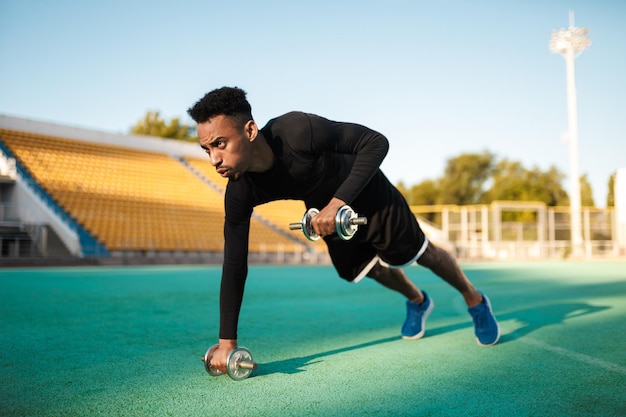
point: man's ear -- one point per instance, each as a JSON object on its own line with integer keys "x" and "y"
{"x": 251, "y": 129}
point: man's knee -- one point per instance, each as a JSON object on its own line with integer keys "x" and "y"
{"x": 431, "y": 256}
{"x": 377, "y": 271}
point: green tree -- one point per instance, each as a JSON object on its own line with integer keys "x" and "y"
{"x": 610, "y": 198}
{"x": 586, "y": 192}
{"x": 153, "y": 124}
{"x": 546, "y": 186}
{"x": 403, "y": 190}
{"x": 464, "y": 178}
{"x": 507, "y": 182}
{"x": 511, "y": 181}
{"x": 479, "y": 178}
{"x": 425, "y": 193}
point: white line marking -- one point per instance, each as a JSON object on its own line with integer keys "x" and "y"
{"x": 576, "y": 356}
{"x": 460, "y": 307}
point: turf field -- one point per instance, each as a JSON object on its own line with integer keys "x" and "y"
{"x": 127, "y": 341}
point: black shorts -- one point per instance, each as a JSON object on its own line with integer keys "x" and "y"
{"x": 392, "y": 234}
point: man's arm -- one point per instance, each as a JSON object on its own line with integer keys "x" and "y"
{"x": 370, "y": 148}
{"x": 235, "y": 266}
{"x": 234, "y": 274}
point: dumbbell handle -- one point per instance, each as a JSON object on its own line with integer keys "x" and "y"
{"x": 242, "y": 364}
{"x": 248, "y": 365}
{"x": 359, "y": 221}
{"x": 295, "y": 226}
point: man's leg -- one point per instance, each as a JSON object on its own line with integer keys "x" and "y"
{"x": 419, "y": 305}
{"x": 395, "y": 279}
{"x": 439, "y": 261}
{"x": 445, "y": 266}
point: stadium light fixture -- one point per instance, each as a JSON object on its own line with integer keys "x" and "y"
{"x": 570, "y": 43}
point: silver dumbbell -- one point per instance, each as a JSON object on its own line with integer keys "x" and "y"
{"x": 239, "y": 364}
{"x": 347, "y": 223}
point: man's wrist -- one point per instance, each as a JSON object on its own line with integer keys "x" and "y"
{"x": 228, "y": 343}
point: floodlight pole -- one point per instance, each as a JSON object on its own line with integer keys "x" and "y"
{"x": 570, "y": 43}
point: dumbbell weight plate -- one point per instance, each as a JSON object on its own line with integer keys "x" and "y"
{"x": 235, "y": 357}
{"x": 207, "y": 361}
{"x": 343, "y": 222}
{"x": 307, "y": 227}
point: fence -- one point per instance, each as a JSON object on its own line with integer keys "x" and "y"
{"x": 500, "y": 231}
{"x": 517, "y": 230}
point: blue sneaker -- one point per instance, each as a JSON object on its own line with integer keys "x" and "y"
{"x": 414, "y": 326}
{"x": 485, "y": 325}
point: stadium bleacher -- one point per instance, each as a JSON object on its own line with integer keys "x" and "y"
{"x": 141, "y": 200}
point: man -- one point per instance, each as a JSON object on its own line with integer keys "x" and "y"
{"x": 326, "y": 164}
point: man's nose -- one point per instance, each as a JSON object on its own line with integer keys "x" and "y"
{"x": 215, "y": 159}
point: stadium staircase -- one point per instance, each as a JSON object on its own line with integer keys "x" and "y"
{"x": 89, "y": 244}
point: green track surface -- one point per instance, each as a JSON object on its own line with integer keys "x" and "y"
{"x": 127, "y": 341}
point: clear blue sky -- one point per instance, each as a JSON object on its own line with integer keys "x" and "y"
{"x": 438, "y": 78}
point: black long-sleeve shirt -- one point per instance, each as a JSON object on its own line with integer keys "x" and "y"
{"x": 315, "y": 159}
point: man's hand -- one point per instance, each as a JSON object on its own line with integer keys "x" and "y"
{"x": 218, "y": 361}
{"x": 324, "y": 222}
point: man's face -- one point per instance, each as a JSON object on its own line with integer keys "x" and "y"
{"x": 228, "y": 146}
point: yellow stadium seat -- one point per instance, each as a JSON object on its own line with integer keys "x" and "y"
{"x": 141, "y": 200}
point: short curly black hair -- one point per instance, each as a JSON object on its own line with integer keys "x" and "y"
{"x": 228, "y": 101}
